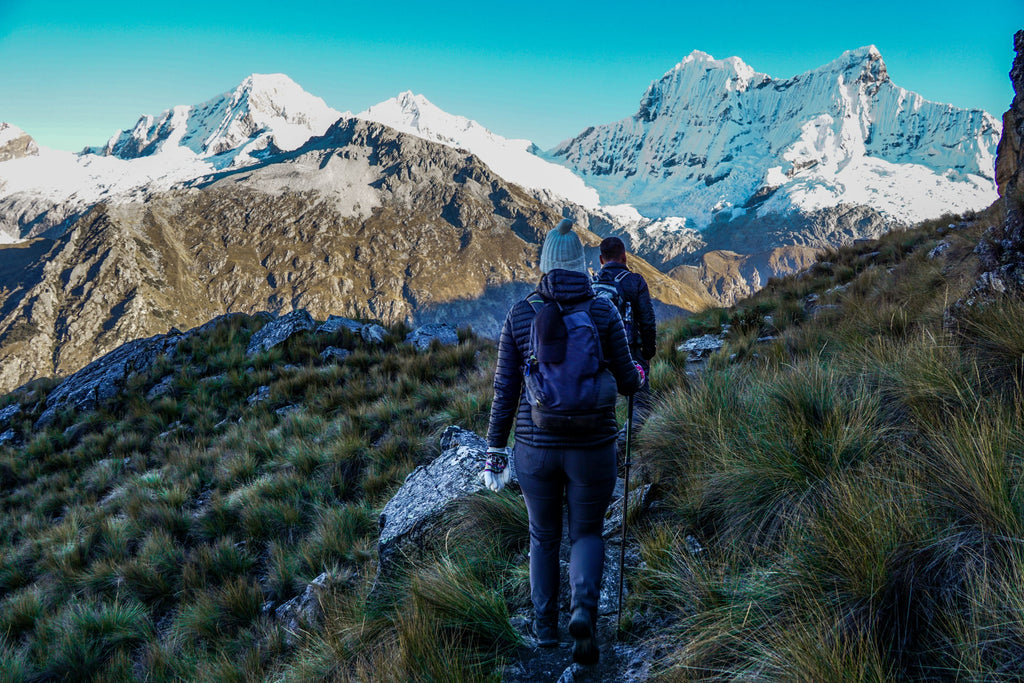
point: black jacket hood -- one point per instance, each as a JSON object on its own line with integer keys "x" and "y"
{"x": 565, "y": 286}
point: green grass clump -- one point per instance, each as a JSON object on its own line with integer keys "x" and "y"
{"x": 155, "y": 539}
{"x": 856, "y": 486}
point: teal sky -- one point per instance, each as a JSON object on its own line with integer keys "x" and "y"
{"x": 74, "y": 72}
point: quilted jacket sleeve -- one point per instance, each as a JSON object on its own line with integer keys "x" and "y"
{"x": 645, "y": 319}
{"x": 508, "y": 384}
{"x": 616, "y": 350}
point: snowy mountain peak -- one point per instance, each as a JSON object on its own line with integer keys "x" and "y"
{"x": 512, "y": 159}
{"x": 264, "y": 109}
{"x": 713, "y": 139}
{"x": 863, "y": 65}
{"x": 15, "y": 143}
{"x": 698, "y": 75}
{"x": 734, "y": 65}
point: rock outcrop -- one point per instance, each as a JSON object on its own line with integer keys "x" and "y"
{"x": 105, "y": 377}
{"x": 423, "y": 336}
{"x": 416, "y": 515}
{"x": 280, "y": 330}
{"x": 16, "y": 143}
{"x": 1001, "y": 249}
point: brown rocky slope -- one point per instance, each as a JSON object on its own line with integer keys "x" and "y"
{"x": 363, "y": 222}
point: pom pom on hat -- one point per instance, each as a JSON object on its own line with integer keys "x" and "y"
{"x": 562, "y": 249}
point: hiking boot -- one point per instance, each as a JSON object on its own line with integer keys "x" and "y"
{"x": 581, "y": 628}
{"x": 545, "y": 632}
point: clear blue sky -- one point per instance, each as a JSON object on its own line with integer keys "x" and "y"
{"x": 72, "y": 72}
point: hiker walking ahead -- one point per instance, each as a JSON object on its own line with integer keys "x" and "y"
{"x": 562, "y": 451}
{"x": 629, "y": 291}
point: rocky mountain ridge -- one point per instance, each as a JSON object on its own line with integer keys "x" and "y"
{"x": 363, "y": 221}
{"x": 265, "y": 114}
{"x": 714, "y": 139}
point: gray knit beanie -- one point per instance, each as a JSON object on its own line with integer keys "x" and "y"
{"x": 562, "y": 249}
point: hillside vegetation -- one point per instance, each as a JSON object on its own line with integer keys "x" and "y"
{"x": 852, "y": 463}
{"x": 848, "y": 470}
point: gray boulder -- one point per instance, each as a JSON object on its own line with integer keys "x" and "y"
{"x": 422, "y": 337}
{"x": 701, "y": 347}
{"x": 332, "y": 354}
{"x": 161, "y": 388}
{"x": 280, "y": 330}
{"x": 373, "y": 333}
{"x": 9, "y": 413}
{"x": 261, "y": 394}
{"x": 104, "y": 378}
{"x": 305, "y": 610}
{"x": 335, "y": 323}
{"x": 417, "y": 512}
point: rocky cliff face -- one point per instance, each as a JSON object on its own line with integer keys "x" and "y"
{"x": 15, "y": 143}
{"x": 362, "y": 222}
{"x": 1002, "y": 248}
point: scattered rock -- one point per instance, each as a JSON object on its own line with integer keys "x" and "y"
{"x": 838, "y": 289}
{"x": 373, "y": 333}
{"x": 332, "y": 354}
{"x": 104, "y": 377}
{"x": 172, "y": 428}
{"x": 569, "y": 675}
{"x": 285, "y": 411}
{"x": 280, "y": 330}
{"x": 702, "y": 347}
{"x": 213, "y": 379}
{"x": 422, "y": 337}
{"x": 261, "y": 394}
{"x": 639, "y": 499}
{"x": 940, "y": 249}
{"x": 417, "y": 512}
{"x": 9, "y": 413}
{"x": 7, "y": 437}
{"x": 693, "y": 545}
{"x": 161, "y": 388}
{"x": 304, "y": 611}
{"x": 336, "y": 322}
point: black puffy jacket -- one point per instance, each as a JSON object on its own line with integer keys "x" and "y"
{"x": 634, "y": 288}
{"x": 510, "y": 402}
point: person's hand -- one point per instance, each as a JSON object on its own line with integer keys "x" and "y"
{"x": 496, "y": 472}
{"x": 640, "y": 369}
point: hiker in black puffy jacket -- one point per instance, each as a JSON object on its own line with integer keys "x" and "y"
{"x": 634, "y": 289}
{"x": 551, "y": 466}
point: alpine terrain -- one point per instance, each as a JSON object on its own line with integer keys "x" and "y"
{"x": 362, "y": 221}
{"x": 721, "y": 157}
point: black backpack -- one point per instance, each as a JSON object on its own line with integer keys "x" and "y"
{"x": 610, "y": 287}
{"x": 568, "y": 384}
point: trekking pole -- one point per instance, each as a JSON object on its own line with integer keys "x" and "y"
{"x": 625, "y": 503}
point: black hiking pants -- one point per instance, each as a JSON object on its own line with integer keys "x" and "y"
{"x": 584, "y": 478}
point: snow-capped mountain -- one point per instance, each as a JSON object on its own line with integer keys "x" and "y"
{"x": 15, "y": 143}
{"x": 714, "y": 139}
{"x": 230, "y": 128}
{"x": 514, "y": 160}
{"x": 41, "y": 192}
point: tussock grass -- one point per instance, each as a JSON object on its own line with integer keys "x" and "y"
{"x": 855, "y": 486}
{"x": 155, "y": 539}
